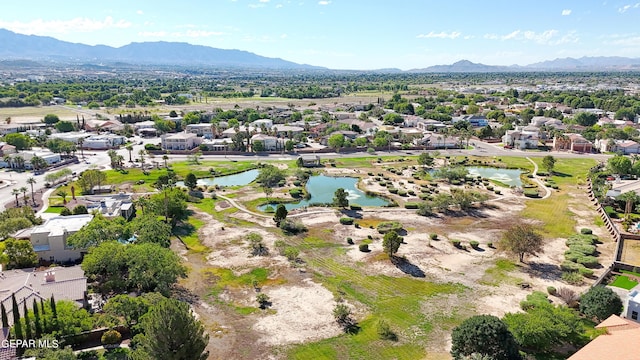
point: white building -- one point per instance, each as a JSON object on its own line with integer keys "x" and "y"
{"x": 104, "y": 141}
{"x": 203, "y": 130}
{"x": 48, "y": 156}
{"x": 270, "y": 143}
{"x": 180, "y": 141}
{"x": 72, "y": 136}
{"x": 521, "y": 138}
{"x": 49, "y": 240}
{"x": 111, "y": 206}
{"x": 632, "y": 305}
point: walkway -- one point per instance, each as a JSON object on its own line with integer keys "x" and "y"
{"x": 242, "y": 208}
{"x": 540, "y": 182}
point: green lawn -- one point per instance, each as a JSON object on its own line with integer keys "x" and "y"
{"x": 624, "y": 282}
{"x": 556, "y": 218}
{"x": 189, "y": 235}
{"x": 572, "y": 171}
{"x": 54, "y": 209}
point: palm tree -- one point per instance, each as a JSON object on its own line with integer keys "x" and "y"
{"x": 141, "y": 153}
{"x": 165, "y": 158}
{"x": 16, "y": 192}
{"x": 80, "y": 143}
{"x": 38, "y": 163}
{"x": 129, "y": 149}
{"x": 112, "y": 156}
{"x": 7, "y": 160}
{"x": 119, "y": 161}
{"x": 18, "y": 161}
{"x": 32, "y": 181}
{"x": 63, "y": 194}
{"x": 24, "y": 190}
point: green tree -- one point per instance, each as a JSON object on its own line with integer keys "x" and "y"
{"x": 336, "y": 141}
{"x": 36, "y": 319}
{"x": 172, "y": 333}
{"x": 149, "y": 229}
{"x": 143, "y": 268}
{"x": 191, "y": 181}
{"x": 544, "y": 326}
{"x": 586, "y": 119}
{"x": 425, "y": 159}
{"x": 280, "y": 214}
{"x": 20, "y": 141}
{"x": 340, "y": 198}
{"x": 51, "y": 353}
{"x": 548, "y": 163}
{"x": 5, "y": 319}
{"x": 99, "y": 230}
{"x": 522, "y": 239}
{"x": 270, "y": 176}
{"x": 20, "y": 253}
{"x": 600, "y": 302}
{"x": 64, "y": 126}
{"x": 80, "y": 209}
{"x": 31, "y": 181}
{"x": 391, "y": 242}
{"x": 170, "y": 203}
{"x": 620, "y": 165}
{"x": 27, "y": 321}
{"x": 17, "y": 324}
{"x": 486, "y": 335}
{"x": 131, "y": 308}
{"x": 51, "y": 119}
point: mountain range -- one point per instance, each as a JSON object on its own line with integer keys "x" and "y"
{"x": 28, "y": 50}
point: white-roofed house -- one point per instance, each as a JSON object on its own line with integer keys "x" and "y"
{"x": 49, "y": 240}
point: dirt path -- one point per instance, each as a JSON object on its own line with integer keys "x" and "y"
{"x": 242, "y": 208}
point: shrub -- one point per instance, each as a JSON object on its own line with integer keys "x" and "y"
{"x": 490, "y": 244}
{"x": 111, "y": 337}
{"x": 586, "y": 231}
{"x": 490, "y": 188}
{"x": 402, "y": 192}
{"x": 364, "y": 247}
{"x": 497, "y": 191}
{"x": 583, "y": 248}
{"x": 65, "y": 212}
{"x": 263, "y": 300}
{"x": 456, "y": 243}
{"x": 280, "y": 245}
{"x": 411, "y": 205}
{"x": 551, "y": 290}
{"x": 588, "y": 261}
{"x": 585, "y": 272}
{"x": 393, "y": 190}
{"x": 355, "y": 207}
{"x": 386, "y": 226}
{"x": 531, "y": 193}
{"x": 346, "y": 221}
{"x": 474, "y": 244}
{"x": 570, "y": 266}
{"x": 291, "y": 253}
{"x": 296, "y": 182}
{"x": 385, "y": 332}
{"x": 568, "y": 296}
{"x": 349, "y": 241}
{"x": 600, "y": 302}
{"x": 292, "y": 227}
{"x": 433, "y": 236}
{"x": 572, "y": 277}
{"x": 295, "y": 192}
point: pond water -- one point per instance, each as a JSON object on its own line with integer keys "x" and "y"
{"x": 321, "y": 188}
{"x": 239, "y": 179}
{"x": 509, "y": 177}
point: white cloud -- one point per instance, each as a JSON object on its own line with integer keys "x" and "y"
{"x": 48, "y": 27}
{"x": 546, "y": 37}
{"x": 633, "y": 41}
{"x": 624, "y": 8}
{"x": 279, "y": 6}
{"x": 263, "y": 1}
{"x": 324, "y": 2}
{"x": 440, "y": 35}
{"x": 283, "y": 36}
{"x": 256, "y": 6}
{"x": 139, "y": 12}
{"x": 179, "y": 34}
{"x": 566, "y": 12}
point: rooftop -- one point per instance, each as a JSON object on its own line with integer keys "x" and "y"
{"x": 56, "y": 226}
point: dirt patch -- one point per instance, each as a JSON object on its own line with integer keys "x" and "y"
{"x": 303, "y": 313}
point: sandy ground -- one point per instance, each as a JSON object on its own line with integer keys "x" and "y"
{"x": 303, "y": 313}
{"x": 302, "y": 309}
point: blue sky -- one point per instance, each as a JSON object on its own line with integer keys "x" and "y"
{"x": 350, "y": 34}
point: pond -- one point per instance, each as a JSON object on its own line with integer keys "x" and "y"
{"x": 239, "y": 179}
{"x": 321, "y": 188}
{"x": 509, "y": 177}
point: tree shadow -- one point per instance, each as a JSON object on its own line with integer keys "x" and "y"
{"x": 407, "y": 267}
{"x": 543, "y": 270}
{"x": 559, "y": 174}
{"x": 352, "y": 213}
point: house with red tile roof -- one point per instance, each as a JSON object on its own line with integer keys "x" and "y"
{"x": 618, "y": 342}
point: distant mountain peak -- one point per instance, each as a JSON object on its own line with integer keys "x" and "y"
{"x": 15, "y": 46}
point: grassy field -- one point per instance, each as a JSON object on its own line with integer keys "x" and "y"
{"x": 624, "y": 282}
{"x": 189, "y": 235}
{"x": 36, "y": 113}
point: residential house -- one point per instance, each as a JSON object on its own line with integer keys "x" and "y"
{"x": 540, "y": 120}
{"x": 111, "y": 206}
{"x": 476, "y": 120}
{"x": 6, "y": 149}
{"x": 617, "y": 343}
{"x": 632, "y": 304}
{"x": 180, "y": 141}
{"x": 11, "y": 128}
{"x": 310, "y": 160}
{"x": 217, "y": 144}
{"x": 572, "y": 142}
{"x": 521, "y": 138}
{"x": 430, "y": 125}
{"x": 103, "y": 125}
{"x": 203, "y": 130}
{"x": 438, "y": 141}
{"x": 230, "y": 132}
{"x": 270, "y": 143}
{"x": 620, "y": 146}
{"x": 267, "y": 123}
{"x": 63, "y": 283}
{"x": 49, "y": 240}
{"x": 48, "y": 156}
{"x": 619, "y": 187}
{"x": 72, "y": 136}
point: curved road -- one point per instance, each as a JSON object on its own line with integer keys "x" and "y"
{"x": 535, "y": 173}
